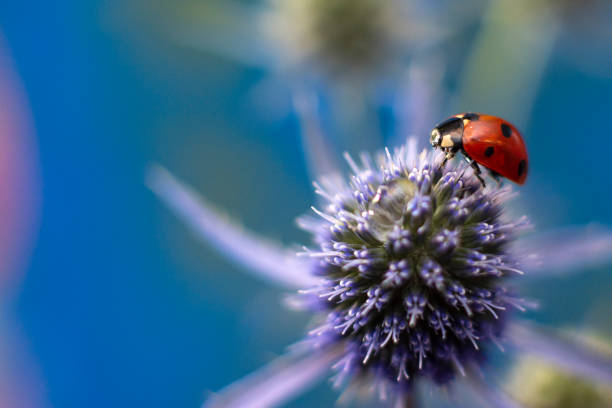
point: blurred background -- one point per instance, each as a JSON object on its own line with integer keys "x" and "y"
{"x": 106, "y": 299}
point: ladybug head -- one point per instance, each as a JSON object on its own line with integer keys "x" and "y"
{"x": 448, "y": 134}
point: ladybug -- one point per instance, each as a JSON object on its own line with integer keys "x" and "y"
{"x": 486, "y": 140}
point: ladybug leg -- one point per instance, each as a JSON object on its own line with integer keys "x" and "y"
{"x": 477, "y": 174}
{"x": 496, "y": 177}
{"x": 476, "y": 168}
{"x": 449, "y": 155}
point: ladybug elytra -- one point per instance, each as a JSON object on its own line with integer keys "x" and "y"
{"x": 486, "y": 140}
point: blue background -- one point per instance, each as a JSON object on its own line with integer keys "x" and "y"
{"x": 121, "y": 305}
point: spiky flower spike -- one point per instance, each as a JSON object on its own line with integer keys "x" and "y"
{"x": 414, "y": 263}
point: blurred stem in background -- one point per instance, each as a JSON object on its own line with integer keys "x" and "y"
{"x": 320, "y": 155}
{"x": 508, "y": 59}
{"x": 418, "y": 102}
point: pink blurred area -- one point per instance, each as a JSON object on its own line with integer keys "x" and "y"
{"x": 19, "y": 178}
{"x": 21, "y": 382}
{"x": 20, "y": 379}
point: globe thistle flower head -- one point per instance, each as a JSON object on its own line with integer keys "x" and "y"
{"x": 414, "y": 260}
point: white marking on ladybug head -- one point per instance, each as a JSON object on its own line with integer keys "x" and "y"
{"x": 447, "y": 141}
{"x": 435, "y": 138}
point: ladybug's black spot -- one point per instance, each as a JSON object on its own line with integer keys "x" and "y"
{"x": 522, "y": 167}
{"x": 489, "y": 151}
{"x": 471, "y": 116}
{"x": 506, "y": 130}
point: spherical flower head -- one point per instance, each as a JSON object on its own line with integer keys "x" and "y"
{"x": 343, "y": 36}
{"x": 415, "y": 263}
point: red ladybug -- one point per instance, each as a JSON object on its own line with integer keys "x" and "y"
{"x": 486, "y": 140}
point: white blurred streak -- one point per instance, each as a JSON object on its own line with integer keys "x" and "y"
{"x": 276, "y": 383}
{"x": 418, "y": 100}
{"x": 573, "y": 356}
{"x": 565, "y": 251}
{"x": 265, "y": 259}
{"x": 489, "y": 395}
{"x": 356, "y": 120}
{"x": 508, "y": 59}
{"x": 320, "y": 156}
